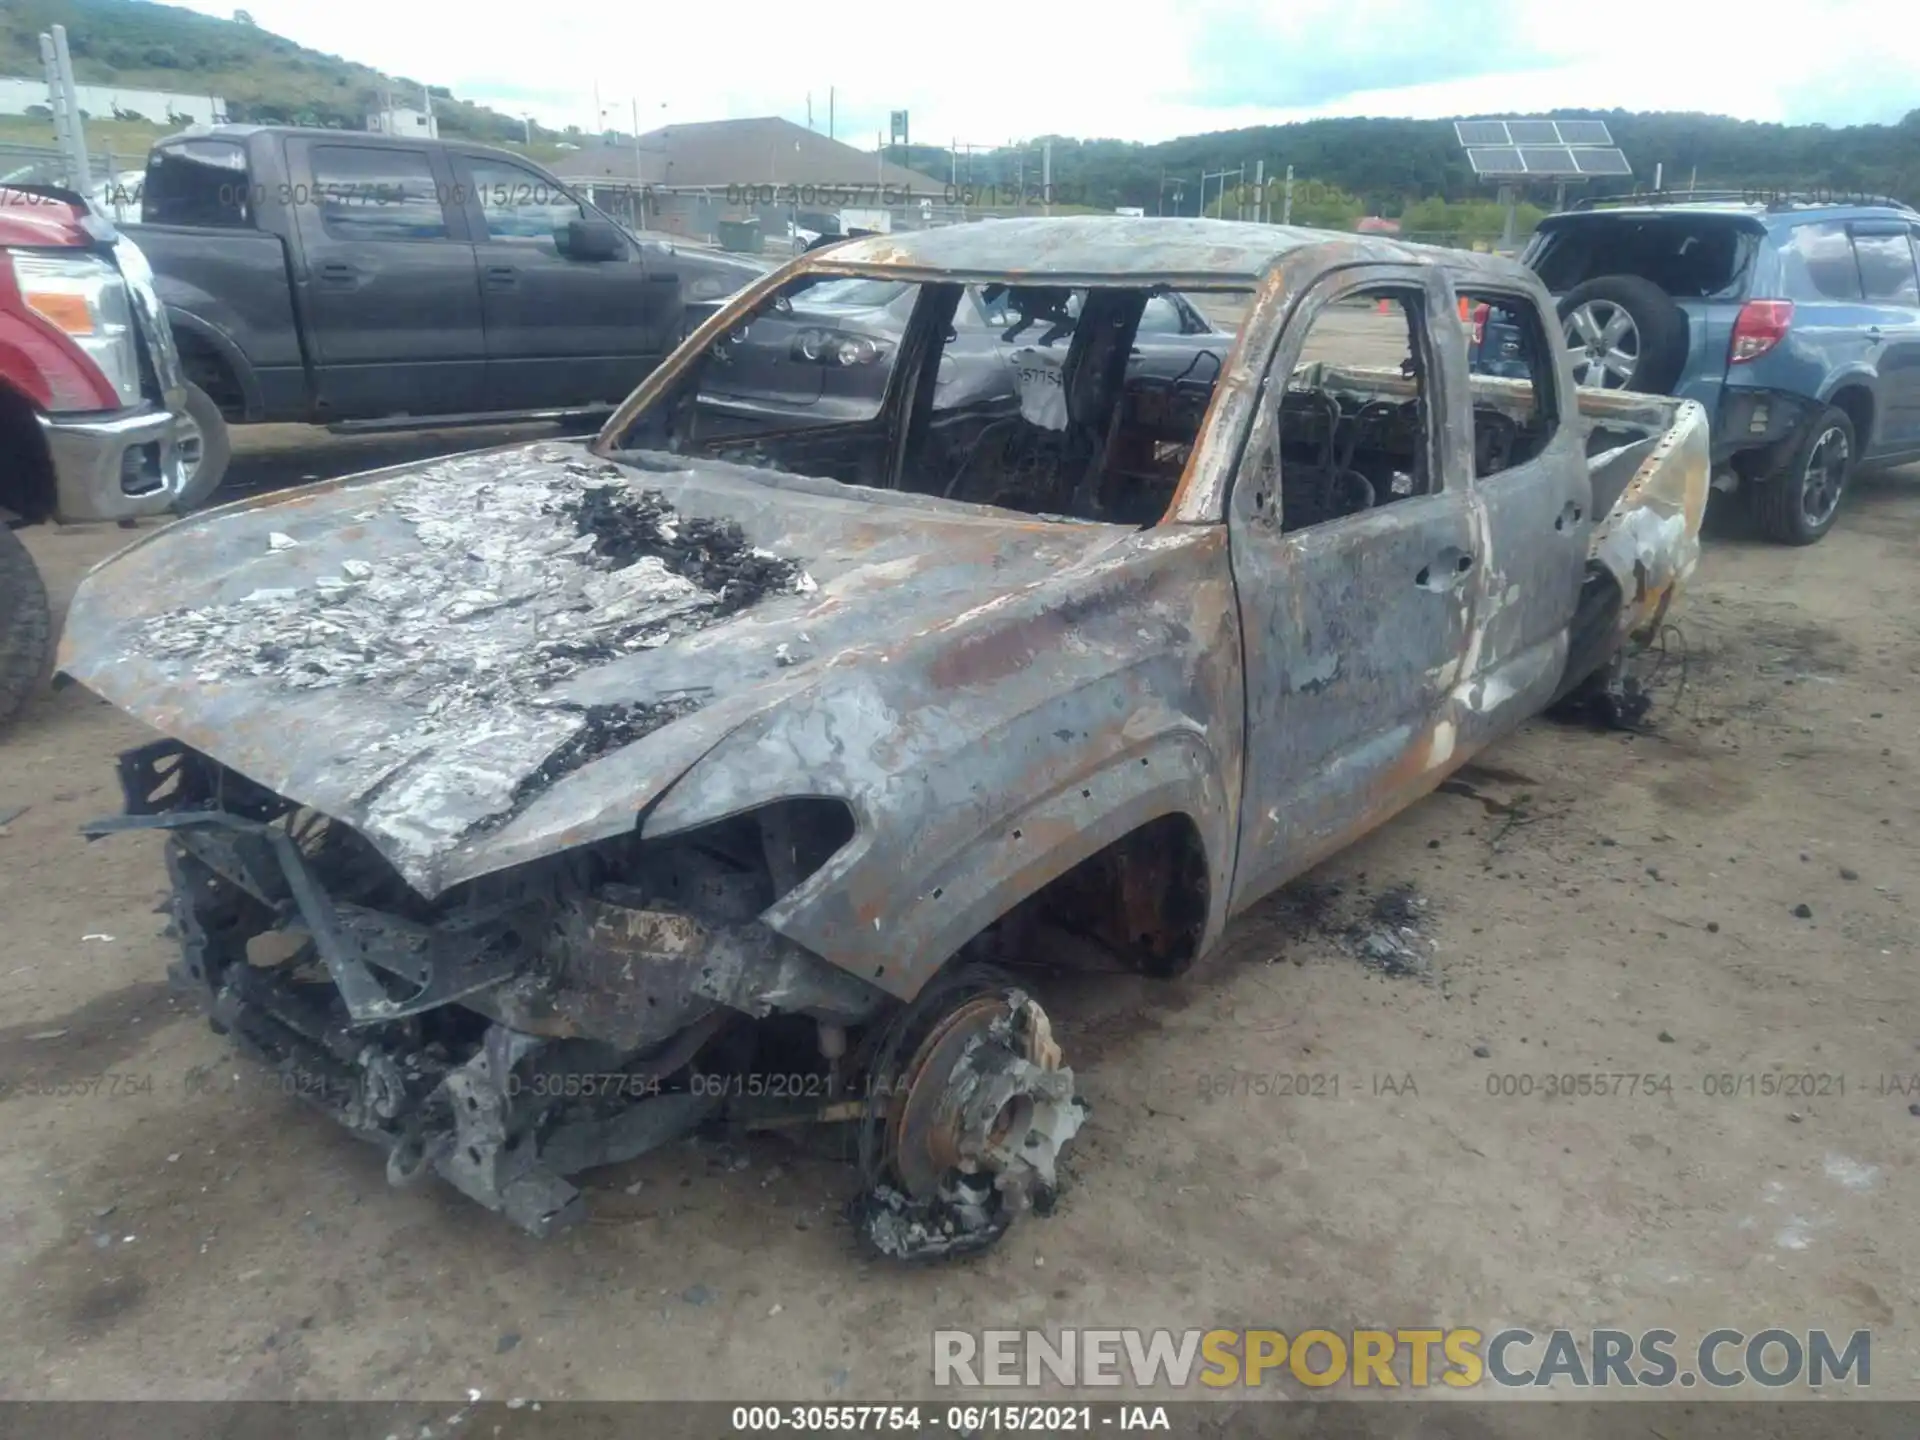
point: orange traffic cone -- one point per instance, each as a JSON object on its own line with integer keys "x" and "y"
{"x": 1383, "y": 308}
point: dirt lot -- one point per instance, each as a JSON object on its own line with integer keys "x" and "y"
{"x": 1598, "y": 903}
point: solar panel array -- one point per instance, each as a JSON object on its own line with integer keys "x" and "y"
{"x": 1543, "y": 149}
{"x": 1481, "y": 132}
{"x": 1532, "y": 132}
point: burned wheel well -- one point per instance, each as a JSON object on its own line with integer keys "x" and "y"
{"x": 1142, "y": 900}
{"x": 26, "y": 482}
{"x": 779, "y": 845}
{"x": 208, "y": 368}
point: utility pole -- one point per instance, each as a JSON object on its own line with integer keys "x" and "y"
{"x": 1046, "y": 176}
{"x": 68, "y": 127}
{"x": 639, "y": 171}
{"x": 1179, "y": 189}
{"x": 1286, "y": 200}
{"x": 1260, "y": 191}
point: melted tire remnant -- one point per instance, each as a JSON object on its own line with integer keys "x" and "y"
{"x": 960, "y": 1221}
{"x": 979, "y": 1109}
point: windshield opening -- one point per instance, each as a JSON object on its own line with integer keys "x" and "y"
{"x": 1068, "y": 403}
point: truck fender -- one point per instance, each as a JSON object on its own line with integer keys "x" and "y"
{"x": 185, "y": 322}
{"x": 1169, "y": 773}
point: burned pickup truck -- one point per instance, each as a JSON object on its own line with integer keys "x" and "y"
{"x": 533, "y": 807}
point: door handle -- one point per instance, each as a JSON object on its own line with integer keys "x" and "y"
{"x": 338, "y": 273}
{"x": 1446, "y": 570}
{"x": 502, "y": 277}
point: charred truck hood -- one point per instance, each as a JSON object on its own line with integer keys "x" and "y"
{"x": 482, "y": 660}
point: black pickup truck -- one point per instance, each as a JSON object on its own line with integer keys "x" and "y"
{"x": 332, "y": 277}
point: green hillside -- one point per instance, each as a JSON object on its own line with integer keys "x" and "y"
{"x": 1386, "y": 165}
{"x": 262, "y": 76}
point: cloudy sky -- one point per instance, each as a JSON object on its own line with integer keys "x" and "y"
{"x": 992, "y": 70}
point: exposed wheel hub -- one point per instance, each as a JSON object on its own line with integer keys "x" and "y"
{"x": 976, "y": 1120}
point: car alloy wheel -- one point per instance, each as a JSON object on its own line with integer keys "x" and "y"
{"x": 1825, "y": 475}
{"x": 1605, "y": 345}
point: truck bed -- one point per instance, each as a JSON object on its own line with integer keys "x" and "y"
{"x": 237, "y": 289}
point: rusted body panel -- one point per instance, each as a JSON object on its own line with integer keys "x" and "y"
{"x": 617, "y": 747}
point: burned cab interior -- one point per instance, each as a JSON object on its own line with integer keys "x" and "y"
{"x": 1348, "y": 430}
{"x": 1061, "y": 402}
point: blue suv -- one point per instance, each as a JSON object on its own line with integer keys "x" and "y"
{"x": 1796, "y": 324}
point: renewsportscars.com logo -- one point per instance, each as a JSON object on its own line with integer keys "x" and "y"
{"x": 1414, "y": 1358}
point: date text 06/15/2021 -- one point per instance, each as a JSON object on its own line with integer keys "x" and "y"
{"x": 966, "y": 1420}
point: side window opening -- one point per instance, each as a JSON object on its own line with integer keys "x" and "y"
{"x": 521, "y": 205}
{"x": 1350, "y": 431}
{"x": 366, "y": 192}
{"x": 1887, "y": 267}
{"x": 1819, "y": 264}
{"x": 1162, "y": 317}
{"x": 1507, "y": 341}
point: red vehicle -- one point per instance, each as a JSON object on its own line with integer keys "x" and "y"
{"x": 96, "y": 420}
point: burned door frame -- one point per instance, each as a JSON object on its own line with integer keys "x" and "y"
{"x": 1353, "y": 629}
{"x": 1536, "y": 523}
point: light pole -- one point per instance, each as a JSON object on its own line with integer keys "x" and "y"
{"x": 1179, "y": 193}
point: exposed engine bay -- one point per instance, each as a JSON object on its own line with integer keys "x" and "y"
{"x": 582, "y": 1010}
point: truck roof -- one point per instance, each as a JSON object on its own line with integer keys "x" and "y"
{"x": 241, "y": 133}
{"x": 1120, "y": 249}
{"x": 1767, "y": 210}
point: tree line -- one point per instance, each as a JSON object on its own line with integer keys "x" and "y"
{"x": 1388, "y": 167}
